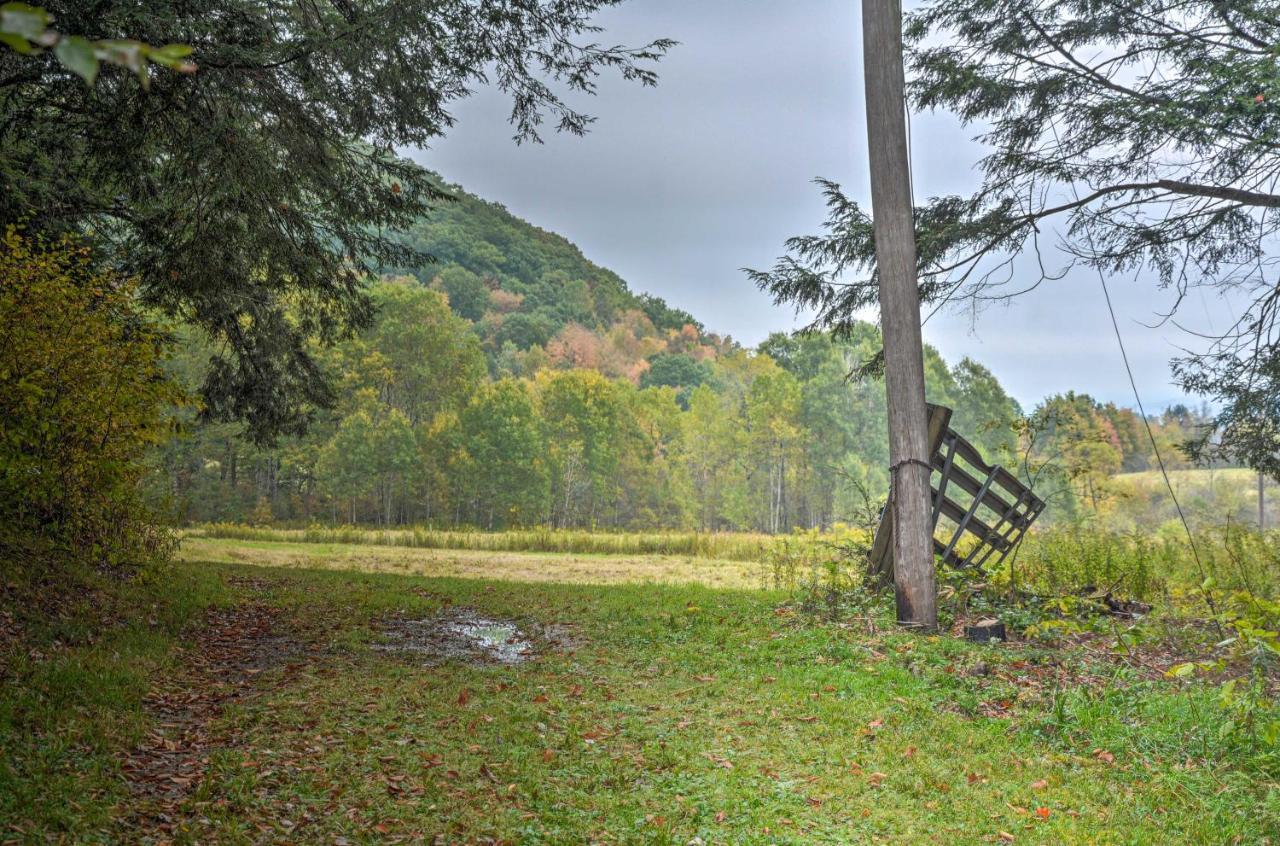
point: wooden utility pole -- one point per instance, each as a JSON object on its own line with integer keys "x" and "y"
{"x": 891, "y": 205}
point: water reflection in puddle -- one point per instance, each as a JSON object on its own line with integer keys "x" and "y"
{"x": 459, "y": 635}
{"x": 501, "y": 641}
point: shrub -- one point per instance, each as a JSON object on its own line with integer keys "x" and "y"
{"x": 825, "y": 572}
{"x": 1078, "y": 558}
{"x": 82, "y": 394}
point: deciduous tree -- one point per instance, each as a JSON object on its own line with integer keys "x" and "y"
{"x": 505, "y": 455}
{"x": 82, "y": 394}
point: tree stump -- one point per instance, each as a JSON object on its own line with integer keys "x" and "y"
{"x": 985, "y": 630}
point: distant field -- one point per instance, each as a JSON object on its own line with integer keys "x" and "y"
{"x": 1200, "y": 480}
{"x": 1209, "y": 497}
{"x": 570, "y": 568}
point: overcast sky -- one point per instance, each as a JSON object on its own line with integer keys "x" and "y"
{"x": 678, "y": 187}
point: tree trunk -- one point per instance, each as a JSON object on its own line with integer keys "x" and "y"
{"x": 782, "y": 493}
{"x": 894, "y": 222}
{"x": 1262, "y": 502}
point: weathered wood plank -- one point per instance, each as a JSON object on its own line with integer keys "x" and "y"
{"x": 1004, "y": 478}
{"x": 1014, "y": 514}
{"x": 970, "y": 518}
{"x": 882, "y": 544}
{"x": 972, "y": 486}
{"x": 939, "y": 421}
{"x": 979, "y": 527}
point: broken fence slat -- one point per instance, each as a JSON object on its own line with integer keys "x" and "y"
{"x": 971, "y": 486}
{"x": 1014, "y": 506}
{"x": 968, "y": 519}
{"x": 958, "y": 515}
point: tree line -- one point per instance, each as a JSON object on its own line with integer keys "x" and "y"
{"x": 654, "y": 428}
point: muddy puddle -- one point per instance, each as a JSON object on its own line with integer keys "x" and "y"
{"x": 464, "y": 635}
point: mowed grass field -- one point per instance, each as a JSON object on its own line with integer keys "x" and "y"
{"x": 732, "y": 546}
{"x": 250, "y": 699}
{"x": 1220, "y": 491}
{"x": 570, "y": 568}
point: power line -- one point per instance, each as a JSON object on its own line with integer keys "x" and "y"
{"x": 911, "y": 162}
{"x": 1133, "y": 383}
{"x": 1137, "y": 398}
{"x": 1124, "y": 356}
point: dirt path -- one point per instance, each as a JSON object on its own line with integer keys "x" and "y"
{"x": 223, "y": 664}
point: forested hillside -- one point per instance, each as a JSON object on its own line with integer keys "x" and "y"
{"x": 514, "y": 382}
{"x": 525, "y": 287}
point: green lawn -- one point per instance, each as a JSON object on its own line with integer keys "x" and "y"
{"x": 661, "y": 714}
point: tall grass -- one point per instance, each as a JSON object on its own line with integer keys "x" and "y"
{"x": 1142, "y": 565}
{"x": 735, "y": 546}
{"x": 1069, "y": 559}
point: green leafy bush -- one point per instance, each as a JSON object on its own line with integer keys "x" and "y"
{"x": 1247, "y": 663}
{"x": 1078, "y": 558}
{"x": 82, "y": 393}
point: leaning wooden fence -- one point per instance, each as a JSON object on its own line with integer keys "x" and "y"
{"x": 979, "y": 510}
